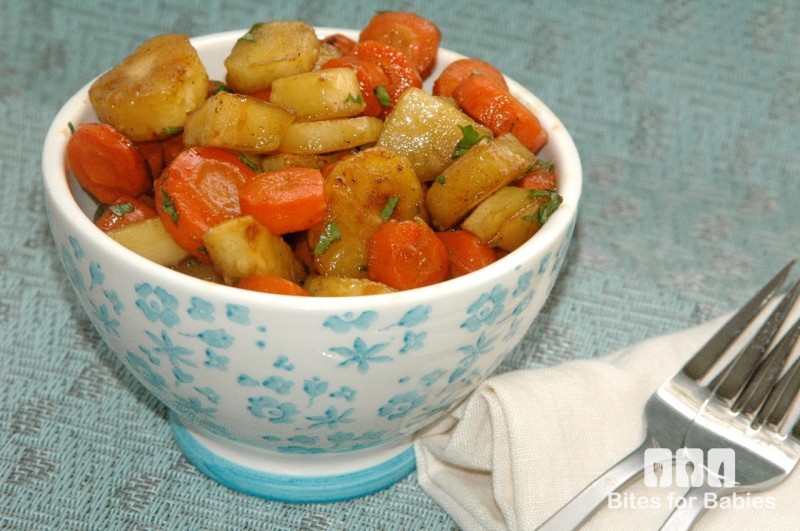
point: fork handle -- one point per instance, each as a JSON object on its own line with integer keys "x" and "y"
{"x": 589, "y": 500}
{"x": 691, "y": 506}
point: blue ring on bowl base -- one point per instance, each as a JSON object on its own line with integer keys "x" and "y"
{"x": 286, "y": 487}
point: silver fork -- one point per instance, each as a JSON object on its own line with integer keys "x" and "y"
{"x": 750, "y": 425}
{"x": 673, "y": 406}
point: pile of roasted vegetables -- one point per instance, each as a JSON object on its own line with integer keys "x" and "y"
{"x": 318, "y": 166}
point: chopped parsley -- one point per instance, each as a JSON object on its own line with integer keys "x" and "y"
{"x": 469, "y": 138}
{"x": 383, "y": 96}
{"x": 546, "y": 210}
{"x": 120, "y": 209}
{"x": 330, "y": 234}
{"x": 71, "y": 127}
{"x": 219, "y": 86}
{"x": 388, "y": 208}
{"x": 168, "y": 206}
{"x": 172, "y": 131}
{"x": 249, "y": 36}
{"x": 358, "y": 100}
{"x": 441, "y": 179}
{"x": 250, "y": 164}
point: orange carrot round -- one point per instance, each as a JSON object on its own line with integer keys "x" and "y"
{"x": 417, "y": 37}
{"x": 406, "y": 254}
{"x": 286, "y": 200}
{"x": 106, "y": 163}
{"x": 540, "y": 178}
{"x": 370, "y": 77}
{"x": 466, "y": 253}
{"x": 199, "y": 189}
{"x": 153, "y": 153}
{"x": 171, "y": 147}
{"x": 272, "y": 284}
{"x": 459, "y": 70}
{"x": 485, "y": 102}
{"x": 400, "y": 72}
{"x": 124, "y": 211}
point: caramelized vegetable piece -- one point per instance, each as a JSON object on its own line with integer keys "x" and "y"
{"x": 148, "y": 95}
{"x": 272, "y": 284}
{"x": 285, "y": 201}
{"x": 456, "y": 72}
{"x": 417, "y": 37}
{"x": 465, "y": 252}
{"x": 269, "y": 51}
{"x": 406, "y": 255}
{"x": 363, "y": 191}
{"x": 320, "y": 95}
{"x": 482, "y": 99}
{"x": 106, "y": 163}
{"x": 124, "y": 211}
{"x": 198, "y": 190}
{"x": 474, "y": 176}
{"x": 239, "y": 123}
{"x": 370, "y": 78}
{"x": 329, "y": 136}
{"x": 241, "y": 247}
{"x": 400, "y": 72}
{"x": 149, "y": 238}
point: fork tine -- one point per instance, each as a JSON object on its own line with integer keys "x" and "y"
{"x": 707, "y": 356}
{"x": 780, "y": 399}
{"x": 767, "y": 373}
{"x": 728, "y": 384}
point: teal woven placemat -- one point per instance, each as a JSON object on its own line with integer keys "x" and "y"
{"x": 685, "y": 115}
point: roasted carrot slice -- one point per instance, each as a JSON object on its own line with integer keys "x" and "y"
{"x": 417, "y": 37}
{"x": 406, "y": 254}
{"x": 343, "y": 43}
{"x": 199, "y": 189}
{"x": 284, "y": 201}
{"x": 106, "y": 163}
{"x": 485, "y": 102}
{"x": 272, "y": 284}
{"x": 370, "y": 77}
{"x": 400, "y": 72}
{"x": 466, "y": 253}
{"x": 456, "y": 72}
{"x": 124, "y": 211}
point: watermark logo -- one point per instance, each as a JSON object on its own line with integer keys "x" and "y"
{"x": 687, "y": 468}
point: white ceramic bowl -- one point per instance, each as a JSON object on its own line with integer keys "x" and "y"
{"x": 296, "y": 398}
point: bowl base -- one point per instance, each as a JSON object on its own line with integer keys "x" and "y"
{"x": 308, "y": 478}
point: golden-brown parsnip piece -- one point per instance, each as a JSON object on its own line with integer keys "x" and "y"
{"x": 320, "y": 95}
{"x": 148, "y": 95}
{"x": 327, "y": 286}
{"x": 328, "y": 136}
{"x": 269, "y": 51}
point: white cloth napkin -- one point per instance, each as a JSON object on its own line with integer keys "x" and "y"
{"x": 525, "y": 442}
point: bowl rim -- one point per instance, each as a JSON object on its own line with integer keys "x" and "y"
{"x": 63, "y": 202}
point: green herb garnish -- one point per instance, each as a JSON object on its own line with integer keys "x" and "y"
{"x": 120, "y": 209}
{"x": 172, "y": 131}
{"x": 168, "y": 206}
{"x": 469, "y": 138}
{"x": 71, "y": 127}
{"x": 219, "y": 86}
{"x": 358, "y": 100}
{"x": 249, "y": 36}
{"x": 330, "y": 234}
{"x": 441, "y": 179}
{"x": 388, "y": 208}
{"x": 250, "y": 164}
{"x": 383, "y": 96}
{"x": 546, "y": 210}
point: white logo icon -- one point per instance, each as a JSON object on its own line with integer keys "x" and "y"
{"x": 688, "y": 468}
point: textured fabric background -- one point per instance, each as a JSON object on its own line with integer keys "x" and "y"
{"x": 686, "y": 117}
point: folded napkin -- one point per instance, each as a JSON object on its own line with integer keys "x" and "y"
{"x": 527, "y": 441}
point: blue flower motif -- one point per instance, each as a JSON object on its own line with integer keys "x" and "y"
{"x": 543, "y": 263}
{"x": 209, "y": 393}
{"x": 346, "y": 392}
{"x": 73, "y": 273}
{"x": 361, "y": 355}
{"x": 201, "y": 310}
{"x": 486, "y": 309}
{"x": 145, "y": 372}
{"x": 304, "y": 439}
{"x": 102, "y": 317}
{"x": 347, "y": 321}
{"x": 278, "y": 384}
{"x": 214, "y": 338}
{"x": 247, "y": 381}
{"x": 415, "y": 316}
{"x": 238, "y": 314}
{"x": 482, "y": 346}
{"x": 314, "y": 387}
{"x": 400, "y": 405}
{"x": 175, "y": 354}
{"x": 96, "y": 274}
{"x": 523, "y": 283}
{"x": 266, "y": 407}
{"x": 192, "y": 407}
{"x": 113, "y": 298}
{"x": 283, "y": 363}
{"x": 412, "y": 341}
{"x": 157, "y": 304}
{"x": 77, "y": 250}
{"x": 431, "y": 378}
{"x": 331, "y": 419}
{"x": 216, "y": 361}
